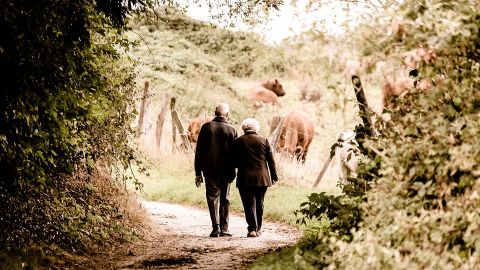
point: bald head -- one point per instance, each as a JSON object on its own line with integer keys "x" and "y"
{"x": 222, "y": 109}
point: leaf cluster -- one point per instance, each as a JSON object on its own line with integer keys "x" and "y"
{"x": 421, "y": 210}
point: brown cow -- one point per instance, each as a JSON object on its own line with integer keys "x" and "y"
{"x": 194, "y": 128}
{"x": 296, "y": 135}
{"x": 416, "y": 57}
{"x": 394, "y": 87}
{"x": 267, "y": 92}
{"x": 399, "y": 87}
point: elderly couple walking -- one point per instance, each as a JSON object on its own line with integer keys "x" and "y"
{"x": 219, "y": 151}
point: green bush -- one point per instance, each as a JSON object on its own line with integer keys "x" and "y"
{"x": 65, "y": 93}
{"x": 421, "y": 211}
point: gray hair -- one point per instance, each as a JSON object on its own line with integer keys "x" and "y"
{"x": 250, "y": 124}
{"x": 222, "y": 109}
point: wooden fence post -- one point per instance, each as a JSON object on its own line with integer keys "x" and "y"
{"x": 161, "y": 119}
{"x": 367, "y": 121}
{"x": 177, "y": 123}
{"x": 143, "y": 108}
{"x": 174, "y": 128}
{"x": 362, "y": 101}
{"x": 274, "y": 124}
{"x": 322, "y": 172}
{"x": 277, "y": 126}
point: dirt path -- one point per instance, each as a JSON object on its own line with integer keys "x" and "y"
{"x": 178, "y": 239}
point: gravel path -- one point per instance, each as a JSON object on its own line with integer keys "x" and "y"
{"x": 177, "y": 238}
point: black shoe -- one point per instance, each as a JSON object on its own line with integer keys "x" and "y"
{"x": 215, "y": 233}
{"x": 225, "y": 234}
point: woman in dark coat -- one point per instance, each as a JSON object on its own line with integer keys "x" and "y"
{"x": 256, "y": 172}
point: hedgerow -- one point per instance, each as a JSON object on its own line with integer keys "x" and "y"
{"x": 420, "y": 207}
{"x": 66, "y": 90}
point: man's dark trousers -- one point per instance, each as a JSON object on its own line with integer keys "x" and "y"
{"x": 218, "y": 200}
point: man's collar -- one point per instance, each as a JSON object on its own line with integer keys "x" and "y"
{"x": 247, "y": 132}
{"x": 220, "y": 119}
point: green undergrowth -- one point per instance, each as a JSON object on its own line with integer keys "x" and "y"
{"x": 280, "y": 259}
{"x": 53, "y": 226}
{"x": 26, "y": 258}
{"x": 66, "y": 92}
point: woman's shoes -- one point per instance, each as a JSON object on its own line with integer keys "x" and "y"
{"x": 215, "y": 233}
{"x": 225, "y": 234}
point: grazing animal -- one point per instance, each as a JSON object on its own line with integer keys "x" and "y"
{"x": 400, "y": 86}
{"x": 296, "y": 135}
{"x": 414, "y": 58}
{"x": 193, "y": 129}
{"x": 394, "y": 87}
{"x": 346, "y": 154}
{"x": 267, "y": 92}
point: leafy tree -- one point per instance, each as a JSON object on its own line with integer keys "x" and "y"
{"x": 65, "y": 92}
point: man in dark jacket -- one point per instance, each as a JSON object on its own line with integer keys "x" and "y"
{"x": 213, "y": 158}
{"x": 256, "y": 172}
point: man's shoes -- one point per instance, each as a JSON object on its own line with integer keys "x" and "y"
{"x": 252, "y": 234}
{"x": 259, "y": 232}
{"x": 215, "y": 233}
{"x": 225, "y": 234}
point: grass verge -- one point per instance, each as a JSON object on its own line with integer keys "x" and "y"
{"x": 172, "y": 180}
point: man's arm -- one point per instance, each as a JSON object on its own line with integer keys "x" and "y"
{"x": 200, "y": 150}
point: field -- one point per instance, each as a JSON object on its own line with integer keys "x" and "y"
{"x": 175, "y": 60}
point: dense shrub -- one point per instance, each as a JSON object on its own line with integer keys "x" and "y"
{"x": 421, "y": 211}
{"x": 65, "y": 93}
